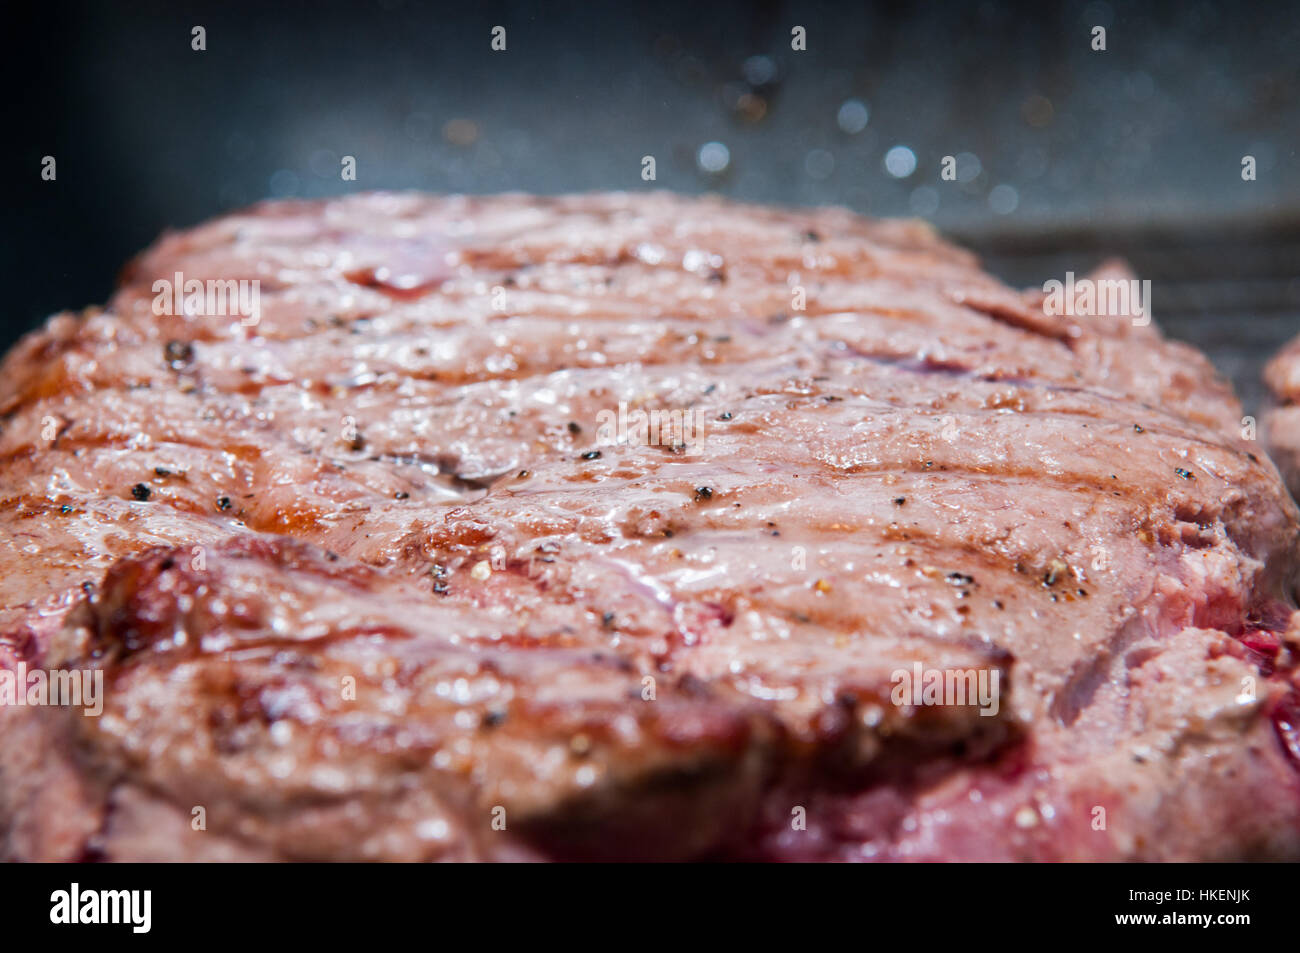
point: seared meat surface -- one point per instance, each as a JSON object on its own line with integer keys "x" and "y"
{"x": 388, "y": 570}
{"x": 1281, "y": 422}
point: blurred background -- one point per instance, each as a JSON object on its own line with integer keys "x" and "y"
{"x": 1064, "y": 154}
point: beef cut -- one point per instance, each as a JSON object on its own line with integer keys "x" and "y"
{"x": 632, "y": 527}
{"x": 1281, "y": 420}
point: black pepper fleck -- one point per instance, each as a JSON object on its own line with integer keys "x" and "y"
{"x": 591, "y": 455}
{"x": 178, "y": 354}
{"x": 141, "y": 492}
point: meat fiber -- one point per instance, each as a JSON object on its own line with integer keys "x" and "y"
{"x": 632, "y": 527}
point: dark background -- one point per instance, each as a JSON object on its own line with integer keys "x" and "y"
{"x": 1066, "y": 155}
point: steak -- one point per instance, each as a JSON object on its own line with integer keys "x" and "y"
{"x": 632, "y": 527}
{"x": 1281, "y": 420}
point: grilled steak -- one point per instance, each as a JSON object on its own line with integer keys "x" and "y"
{"x": 632, "y": 527}
{"x": 1281, "y": 420}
